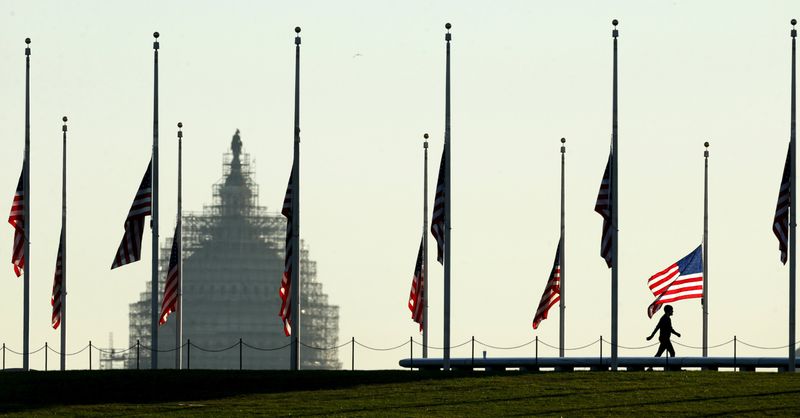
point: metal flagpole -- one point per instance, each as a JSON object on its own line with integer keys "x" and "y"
{"x": 154, "y": 216}
{"x": 792, "y": 207}
{"x": 27, "y": 191}
{"x": 447, "y": 218}
{"x": 614, "y": 212}
{"x": 179, "y": 237}
{"x": 562, "y": 292}
{"x": 64, "y": 248}
{"x": 705, "y": 255}
{"x": 425, "y": 252}
{"x": 295, "y": 356}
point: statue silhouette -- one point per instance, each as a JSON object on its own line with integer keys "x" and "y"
{"x": 236, "y": 147}
{"x": 665, "y": 328}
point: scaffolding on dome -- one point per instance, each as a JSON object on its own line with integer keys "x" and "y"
{"x": 232, "y": 267}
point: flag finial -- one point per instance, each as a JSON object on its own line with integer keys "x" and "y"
{"x": 705, "y": 154}
{"x": 180, "y": 132}
{"x": 27, "y": 46}
{"x": 297, "y": 37}
{"x": 64, "y": 127}
{"x": 155, "y": 43}
{"x": 447, "y": 36}
{"x": 425, "y": 144}
{"x": 794, "y": 31}
{"x": 615, "y": 32}
{"x": 28, "y": 41}
{"x": 563, "y": 148}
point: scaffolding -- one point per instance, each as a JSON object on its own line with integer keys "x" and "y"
{"x": 232, "y": 267}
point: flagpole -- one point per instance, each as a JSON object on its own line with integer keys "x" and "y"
{"x": 447, "y": 218}
{"x": 295, "y": 317}
{"x": 64, "y": 248}
{"x": 705, "y": 256}
{"x": 562, "y": 292}
{"x": 792, "y": 207}
{"x": 154, "y": 216}
{"x": 179, "y": 237}
{"x": 27, "y": 192}
{"x": 614, "y": 212}
{"x": 425, "y": 251}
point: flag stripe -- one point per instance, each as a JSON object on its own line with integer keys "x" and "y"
{"x": 58, "y": 280}
{"x": 130, "y": 249}
{"x": 604, "y": 208}
{"x": 552, "y": 291}
{"x": 416, "y": 300}
{"x": 285, "y": 291}
{"x": 169, "y": 303}
{"x": 438, "y": 217}
{"x": 681, "y": 280}
{"x": 17, "y": 219}
{"x": 780, "y": 225}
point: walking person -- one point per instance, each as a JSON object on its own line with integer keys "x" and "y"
{"x": 665, "y": 328}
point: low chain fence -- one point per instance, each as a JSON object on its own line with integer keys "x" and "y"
{"x": 136, "y": 350}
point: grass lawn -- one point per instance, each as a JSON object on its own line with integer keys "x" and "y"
{"x": 401, "y": 393}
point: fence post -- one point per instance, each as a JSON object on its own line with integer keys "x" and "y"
{"x": 240, "y": 354}
{"x": 90, "y": 354}
{"x": 188, "y": 354}
{"x": 45, "y": 356}
{"x": 537, "y": 351}
{"x": 353, "y": 354}
{"x": 137, "y": 354}
{"x": 411, "y": 344}
{"x": 4, "y": 356}
{"x": 473, "y": 354}
{"x": 734, "y": 353}
{"x": 601, "y": 352}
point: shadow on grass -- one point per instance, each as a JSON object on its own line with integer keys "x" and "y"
{"x": 25, "y": 391}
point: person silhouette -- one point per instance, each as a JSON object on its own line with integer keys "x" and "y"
{"x": 665, "y": 327}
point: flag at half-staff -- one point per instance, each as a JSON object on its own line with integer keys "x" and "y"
{"x": 437, "y": 220}
{"x": 130, "y": 249}
{"x": 169, "y": 303}
{"x": 552, "y": 292}
{"x": 17, "y": 220}
{"x": 286, "y": 281}
{"x": 681, "y": 280}
{"x": 781, "y": 224}
{"x": 604, "y": 208}
{"x": 58, "y": 285}
{"x": 416, "y": 300}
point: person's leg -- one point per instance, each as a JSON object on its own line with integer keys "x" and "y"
{"x": 661, "y": 348}
{"x": 670, "y": 349}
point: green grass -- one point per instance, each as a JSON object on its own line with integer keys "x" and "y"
{"x": 400, "y": 393}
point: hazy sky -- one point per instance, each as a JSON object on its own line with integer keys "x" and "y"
{"x": 524, "y": 75}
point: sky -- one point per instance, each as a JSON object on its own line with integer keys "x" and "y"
{"x": 524, "y": 75}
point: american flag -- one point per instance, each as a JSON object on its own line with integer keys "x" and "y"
{"x": 552, "y": 292}
{"x": 286, "y": 282}
{"x": 17, "y": 220}
{"x": 437, "y": 220}
{"x": 169, "y": 303}
{"x": 781, "y": 225}
{"x": 58, "y": 280}
{"x": 130, "y": 249}
{"x": 603, "y": 207}
{"x": 416, "y": 300}
{"x": 681, "y": 280}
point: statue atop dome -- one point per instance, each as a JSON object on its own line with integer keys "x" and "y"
{"x": 236, "y": 147}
